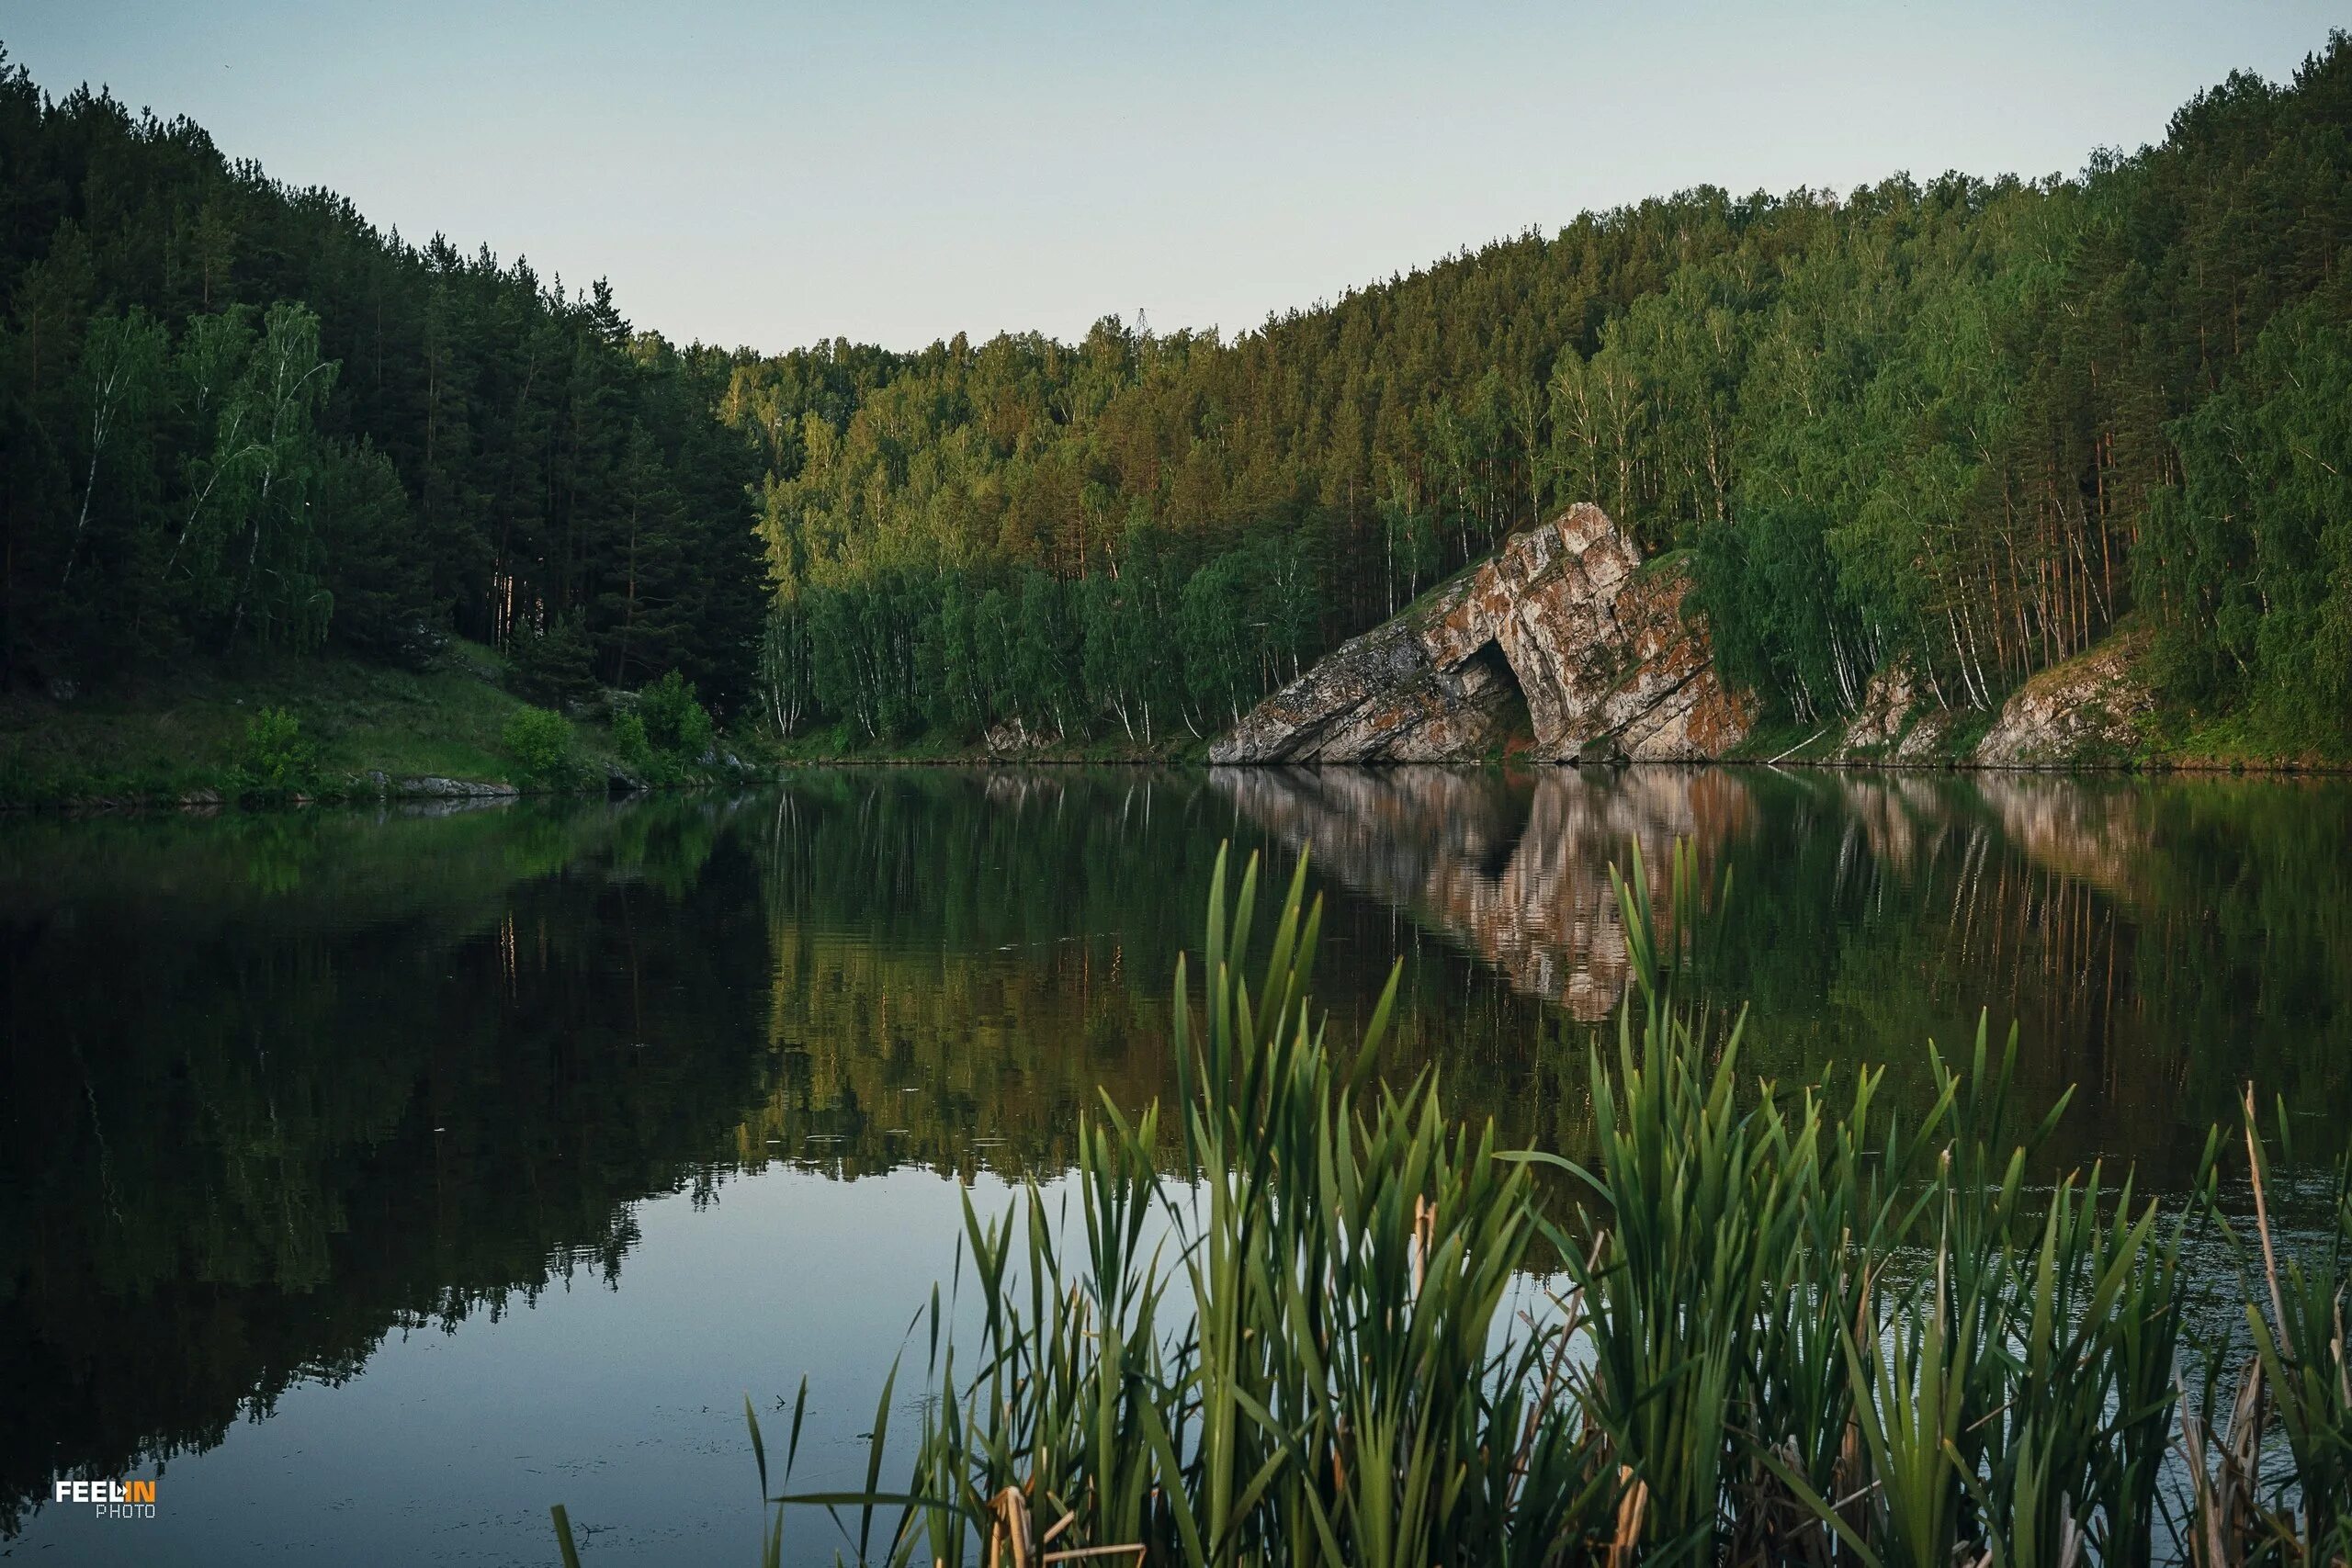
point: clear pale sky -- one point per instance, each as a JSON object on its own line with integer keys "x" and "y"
{"x": 773, "y": 175}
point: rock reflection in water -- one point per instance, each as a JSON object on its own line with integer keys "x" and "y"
{"x": 1516, "y": 869}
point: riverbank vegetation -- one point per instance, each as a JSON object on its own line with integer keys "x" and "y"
{"x": 1758, "y": 1324}
{"x": 1971, "y": 424}
{"x": 266, "y": 730}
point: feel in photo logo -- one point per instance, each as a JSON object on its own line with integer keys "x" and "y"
{"x": 120, "y": 1499}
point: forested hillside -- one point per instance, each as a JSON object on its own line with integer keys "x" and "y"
{"x": 1972, "y": 423}
{"x": 235, "y": 415}
{"x": 1969, "y": 424}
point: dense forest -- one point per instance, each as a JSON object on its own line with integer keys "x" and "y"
{"x": 235, "y": 416}
{"x": 1972, "y": 424}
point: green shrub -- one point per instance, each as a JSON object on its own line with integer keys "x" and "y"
{"x": 540, "y": 743}
{"x": 276, "y": 760}
{"x": 675, "y": 722}
{"x": 629, "y": 739}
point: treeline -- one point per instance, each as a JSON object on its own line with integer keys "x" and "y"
{"x": 1971, "y": 423}
{"x": 235, "y": 415}
{"x": 1968, "y": 425}
{"x": 1160, "y": 644}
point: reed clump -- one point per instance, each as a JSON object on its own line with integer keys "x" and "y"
{"x": 1317, "y": 1322}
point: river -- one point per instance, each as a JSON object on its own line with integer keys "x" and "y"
{"x": 373, "y": 1179}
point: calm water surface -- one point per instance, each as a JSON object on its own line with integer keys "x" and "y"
{"x": 383, "y": 1177}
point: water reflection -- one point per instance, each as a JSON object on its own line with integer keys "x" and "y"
{"x": 2156, "y": 942}
{"x": 1515, "y": 867}
{"x": 274, "y": 1088}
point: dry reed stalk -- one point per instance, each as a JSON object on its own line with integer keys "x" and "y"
{"x": 1629, "y": 1509}
{"x": 1009, "y": 1513}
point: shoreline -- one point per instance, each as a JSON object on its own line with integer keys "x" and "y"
{"x": 361, "y": 790}
{"x": 2152, "y": 767}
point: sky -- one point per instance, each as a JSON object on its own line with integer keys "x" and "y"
{"x": 777, "y": 174}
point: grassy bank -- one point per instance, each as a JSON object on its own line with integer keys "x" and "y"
{"x": 262, "y": 731}
{"x": 1308, "y": 1319}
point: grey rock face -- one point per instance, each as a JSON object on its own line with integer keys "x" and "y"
{"x": 456, "y": 789}
{"x": 1895, "y": 723}
{"x": 1561, "y": 619}
{"x": 1010, "y": 738}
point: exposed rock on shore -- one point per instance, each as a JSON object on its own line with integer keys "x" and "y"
{"x": 1563, "y": 620}
{"x": 1011, "y": 738}
{"x": 2087, "y": 712}
{"x": 456, "y": 789}
{"x": 1894, "y": 724}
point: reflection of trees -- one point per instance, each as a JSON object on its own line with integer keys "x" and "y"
{"x": 2146, "y": 937}
{"x": 964, "y": 960}
{"x": 274, "y": 1087}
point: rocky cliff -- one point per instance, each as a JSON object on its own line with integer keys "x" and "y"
{"x": 1562, "y": 620}
{"x": 2088, "y": 712}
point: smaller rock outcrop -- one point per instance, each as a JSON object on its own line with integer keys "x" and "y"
{"x": 1564, "y": 619}
{"x": 1010, "y": 738}
{"x": 1895, "y": 725}
{"x": 456, "y": 789}
{"x": 2087, "y": 712}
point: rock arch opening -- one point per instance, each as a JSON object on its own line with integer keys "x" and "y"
{"x": 1489, "y": 679}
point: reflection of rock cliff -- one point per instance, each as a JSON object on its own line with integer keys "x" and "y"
{"x": 1528, "y": 894}
{"x": 1561, "y": 618}
{"x": 2094, "y": 835}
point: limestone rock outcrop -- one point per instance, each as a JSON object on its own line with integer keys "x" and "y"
{"x": 1563, "y": 618}
{"x": 1012, "y": 738}
{"x": 456, "y": 789}
{"x": 2084, "y": 712}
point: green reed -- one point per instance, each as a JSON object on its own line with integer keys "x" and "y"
{"x": 1789, "y": 1326}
